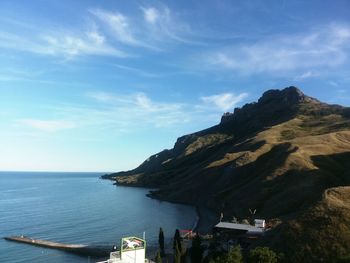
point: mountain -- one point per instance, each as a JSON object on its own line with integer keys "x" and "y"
{"x": 286, "y": 155}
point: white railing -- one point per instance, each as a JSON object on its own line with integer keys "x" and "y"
{"x": 113, "y": 257}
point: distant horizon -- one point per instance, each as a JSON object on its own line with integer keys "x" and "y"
{"x": 41, "y": 171}
{"x": 93, "y": 86}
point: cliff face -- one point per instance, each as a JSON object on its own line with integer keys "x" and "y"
{"x": 278, "y": 155}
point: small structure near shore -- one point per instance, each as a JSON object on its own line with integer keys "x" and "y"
{"x": 242, "y": 234}
{"x": 132, "y": 250}
{"x": 257, "y": 229}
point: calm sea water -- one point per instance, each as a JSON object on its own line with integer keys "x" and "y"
{"x": 78, "y": 208}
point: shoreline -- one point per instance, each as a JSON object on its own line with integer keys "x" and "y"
{"x": 205, "y": 220}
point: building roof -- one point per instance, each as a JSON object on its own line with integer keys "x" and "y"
{"x": 235, "y": 226}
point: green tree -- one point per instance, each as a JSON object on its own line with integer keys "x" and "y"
{"x": 158, "y": 258}
{"x": 161, "y": 242}
{"x": 262, "y": 255}
{"x": 233, "y": 256}
{"x": 196, "y": 249}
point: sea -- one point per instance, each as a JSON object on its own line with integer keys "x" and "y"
{"x": 79, "y": 208}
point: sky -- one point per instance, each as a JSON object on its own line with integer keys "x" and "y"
{"x": 102, "y": 85}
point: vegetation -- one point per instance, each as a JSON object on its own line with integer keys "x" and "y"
{"x": 288, "y": 134}
{"x": 177, "y": 254}
{"x": 196, "y": 249}
{"x": 262, "y": 255}
{"x": 158, "y": 258}
{"x": 321, "y": 233}
{"x": 161, "y": 242}
{"x": 233, "y": 256}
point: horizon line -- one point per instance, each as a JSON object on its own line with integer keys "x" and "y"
{"x": 51, "y": 171}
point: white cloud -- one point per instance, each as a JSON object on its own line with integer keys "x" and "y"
{"x": 137, "y": 71}
{"x": 119, "y": 24}
{"x": 138, "y": 110}
{"x": 306, "y": 75}
{"x": 48, "y": 125}
{"x": 70, "y": 46}
{"x": 96, "y": 37}
{"x": 163, "y": 26}
{"x": 224, "y": 101}
{"x": 105, "y": 35}
{"x": 100, "y": 96}
{"x": 64, "y": 44}
{"x": 327, "y": 47}
{"x": 151, "y": 14}
{"x": 127, "y": 113}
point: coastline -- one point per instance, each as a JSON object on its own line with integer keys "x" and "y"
{"x": 206, "y": 218}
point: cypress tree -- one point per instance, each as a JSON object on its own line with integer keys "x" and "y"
{"x": 161, "y": 242}
{"x": 177, "y": 240}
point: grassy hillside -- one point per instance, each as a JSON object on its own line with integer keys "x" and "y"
{"x": 282, "y": 156}
{"x": 321, "y": 234}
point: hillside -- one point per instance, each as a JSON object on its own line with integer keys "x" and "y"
{"x": 280, "y": 156}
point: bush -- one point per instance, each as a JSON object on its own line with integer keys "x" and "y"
{"x": 262, "y": 255}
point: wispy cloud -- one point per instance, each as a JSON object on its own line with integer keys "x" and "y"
{"x": 137, "y": 71}
{"x": 109, "y": 33}
{"x": 162, "y": 26}
{"x": 63, "y": 44}
{"x": 137, "y": 102}
{"x": 151, "y": 15}
{"x": 326, "y": 47}
{"x": 48, "y": 125}
{"x": 223, "y": 102}
{"x": 91, "y": 43}
{"x": 128, "y": 113}
{"x": 306, "y": 75}
{"x": 119, "y": 24}
{"x": 137, "y": 110}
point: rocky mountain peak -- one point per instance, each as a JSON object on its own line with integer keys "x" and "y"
{"x": 272, "y": 104}
{"x": 290, "y": 95}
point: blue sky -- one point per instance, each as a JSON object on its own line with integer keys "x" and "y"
{"x": 101, "y": 85}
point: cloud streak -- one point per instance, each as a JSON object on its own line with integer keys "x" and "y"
{"x": 48, "y": 125}
{"x": 109, "y": 33}
{"x": 323, "y": 48}
{"x": 119, "y": 24}
{"x": 224, "y": 101}
{"x": 67, "y": 45}
{"x": 132, "y": 112}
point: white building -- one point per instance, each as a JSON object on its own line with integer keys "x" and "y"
{"x": 259, "y": 223}
{"x": 132, "y": 250}
{"x": 242, "y": 228}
